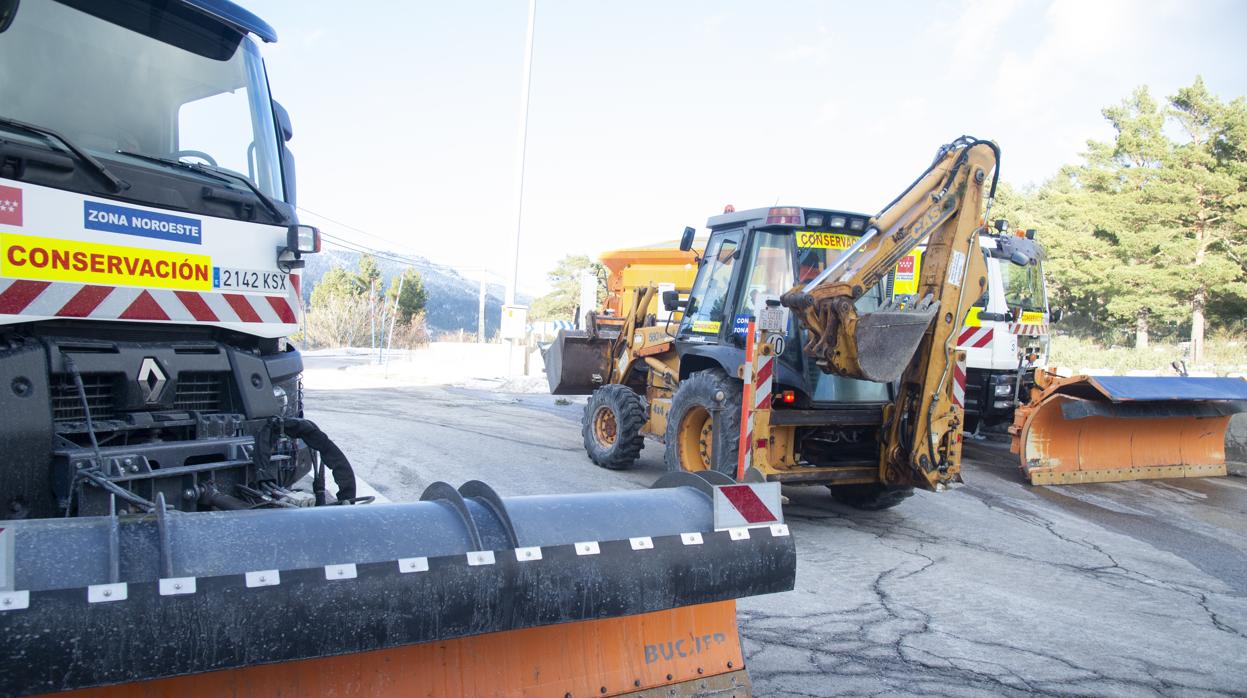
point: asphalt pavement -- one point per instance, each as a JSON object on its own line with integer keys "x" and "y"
{"x": 992, "y": 588}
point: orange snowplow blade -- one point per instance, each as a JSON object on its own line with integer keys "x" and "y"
{"x": 687, "y": 651}
{"x": 1112, "y": 428}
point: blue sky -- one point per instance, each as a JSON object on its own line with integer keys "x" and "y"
{"x": 649, "y": 116}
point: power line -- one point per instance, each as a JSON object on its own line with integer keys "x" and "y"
{"x": 348, "y": 226}
{"x": 390, "y": 256}
{"x": 401, "y": 259}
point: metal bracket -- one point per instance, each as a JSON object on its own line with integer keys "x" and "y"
{"x": 443, "y": 492}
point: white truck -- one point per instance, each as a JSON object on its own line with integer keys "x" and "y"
{"x": 1005, "y": 335}
{"x": 149, "y": 263}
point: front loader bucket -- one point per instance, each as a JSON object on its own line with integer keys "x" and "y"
{"x": 887, "y": 339}
{"x": 456, "y": 594}
{"x": 1113, "y": 428}
{"x": 576, "y": 363}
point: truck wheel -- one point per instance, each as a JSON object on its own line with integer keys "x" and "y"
{"x": 705, "y": 402}
{"x": 612, "y": 427}
{"x": 870, "y": 497}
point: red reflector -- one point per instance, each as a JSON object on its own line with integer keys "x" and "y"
{"x": 762, "y": 443}
{"x": 784, "y": 215}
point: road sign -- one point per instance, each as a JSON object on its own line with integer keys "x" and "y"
{"x": 746, "y": 505}
{"x": 777, "y": 343}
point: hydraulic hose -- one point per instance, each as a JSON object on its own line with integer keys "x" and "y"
{"x": 331, "y": 455}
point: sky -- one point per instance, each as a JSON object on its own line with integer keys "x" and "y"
{"x": 647, "y": 116}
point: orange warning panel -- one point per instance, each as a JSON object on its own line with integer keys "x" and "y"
{"x": 590, "y": 658}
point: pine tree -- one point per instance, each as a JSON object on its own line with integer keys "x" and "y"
{"x": 560, "y": 303}
{"x": 1150, "y": 231}
{"x": 413, "y": 298}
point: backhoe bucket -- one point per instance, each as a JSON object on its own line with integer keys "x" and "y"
{"x": 463, "y": 593}
{"x": 576, "y": 363}
{"x": 887, "y": 339}
{"x": 1113, "y": 428}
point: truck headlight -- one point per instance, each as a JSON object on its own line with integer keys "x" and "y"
{"x": 289, "y": 397}
{"x": 1004, "y": 390}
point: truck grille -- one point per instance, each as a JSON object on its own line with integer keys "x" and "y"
{"x": 100, "y": 389}
{"x": 203, "y": 391}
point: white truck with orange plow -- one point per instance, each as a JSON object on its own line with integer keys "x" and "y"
{"x": 1005, "y": 334}
{"x": 155, "y": 538}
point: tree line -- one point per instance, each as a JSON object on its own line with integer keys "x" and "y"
{"x": 352, "y": 308}
{"x": 1147, "y": 234}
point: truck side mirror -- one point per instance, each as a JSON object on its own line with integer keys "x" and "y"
{"x": 288, "y": 181}
{"x": 1056, "y": 314}
{"x": 671, "y": 301}
{"x": 283, "y": 121}
{"x": 686, "y": 240}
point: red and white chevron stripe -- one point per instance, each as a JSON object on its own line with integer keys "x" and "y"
{"x": 959, "y": 381}
{"x": 762, "y": 381}
{"x": 1031, "y": 330}
{"x": 759, "y": 376}
{"x": 975, "y": 337}
{"x": 744, "y": 454}
{"x": 74, "y": 300}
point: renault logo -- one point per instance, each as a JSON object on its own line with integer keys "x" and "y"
{"x": 151, "y": 380}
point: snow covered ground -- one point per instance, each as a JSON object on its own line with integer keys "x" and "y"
{"x": 493, "y": 367}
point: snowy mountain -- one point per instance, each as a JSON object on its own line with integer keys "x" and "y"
{"x": 453, "y": 298}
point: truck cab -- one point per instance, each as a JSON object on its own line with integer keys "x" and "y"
{"x": 149, "y": 261}
{"x": 1005, "y": 334}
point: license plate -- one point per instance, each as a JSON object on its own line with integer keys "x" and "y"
{"x": 248, "y": 280}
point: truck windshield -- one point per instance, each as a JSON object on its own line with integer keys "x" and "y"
{"x": 1023, "y": 285}
{"x": 184, "y": 88}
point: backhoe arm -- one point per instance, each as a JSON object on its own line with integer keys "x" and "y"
{"x": 915, "y": 344}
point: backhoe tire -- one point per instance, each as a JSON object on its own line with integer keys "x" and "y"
{"x": 612, "y": 427}
{"x": 704, "y": 403}
{"x": 870, "y": 497}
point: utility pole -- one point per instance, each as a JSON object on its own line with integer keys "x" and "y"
{"x": 372, "y": 317}
{"x": 393, "y": 321}
{"x": 480, "y": 313}
{"x": 522, "y": 149}
{"x": 519, "y": 172}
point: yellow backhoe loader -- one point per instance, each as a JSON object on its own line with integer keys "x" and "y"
{"x": 866, "y": 393}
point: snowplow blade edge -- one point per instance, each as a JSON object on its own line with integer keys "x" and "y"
{"x": 230, "y": 590}
{"x": 1114, "y": 428}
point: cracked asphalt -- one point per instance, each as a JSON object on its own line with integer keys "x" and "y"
{"x": 992, "y": 588}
